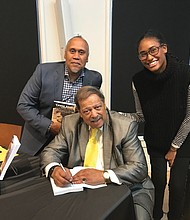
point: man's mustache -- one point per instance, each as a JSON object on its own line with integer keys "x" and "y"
{"x": 95, "y": 119}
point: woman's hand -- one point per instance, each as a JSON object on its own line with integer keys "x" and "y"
{"x": 171, "y": 155}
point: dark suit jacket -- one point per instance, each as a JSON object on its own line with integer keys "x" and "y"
{"x": 37, "y": 100}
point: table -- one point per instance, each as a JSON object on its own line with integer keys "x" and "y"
{"x": 36, "y": 201}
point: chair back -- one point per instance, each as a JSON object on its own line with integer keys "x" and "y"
{"x": 6, "y": 133}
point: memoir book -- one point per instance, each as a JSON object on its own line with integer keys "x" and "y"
{"x": 9, "y": 156}
{"x": 61, "y": 109}
{"x": 73, "y": 187}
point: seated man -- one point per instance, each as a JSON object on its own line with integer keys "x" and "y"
{"x": 117, "y": 155}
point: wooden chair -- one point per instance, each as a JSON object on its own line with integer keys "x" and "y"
{"x": 6, "y": 133}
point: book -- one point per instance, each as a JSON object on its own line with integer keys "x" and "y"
{"x": 3, "y": 153}
{"x": 61, "y": 109}
{"x": 73, "y": 187}
{"x": 9, "y": 156}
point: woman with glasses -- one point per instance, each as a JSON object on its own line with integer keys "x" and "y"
{"x": 162, "y": 99}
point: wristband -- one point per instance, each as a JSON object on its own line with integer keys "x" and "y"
{"x": 106, "y": 176}
{"x": 173, "y": 149}
{"x": 49, "y": 127}
{"x": 51, "y": 170}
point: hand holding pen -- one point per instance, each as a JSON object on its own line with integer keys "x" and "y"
{"x": 61, "y": 175}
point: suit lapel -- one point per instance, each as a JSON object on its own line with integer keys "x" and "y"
{"x": 107, "y": 145}
{"x": 87, "y": 79}
{"x": 59, "y": 77}
{"x": 83, "y": 136}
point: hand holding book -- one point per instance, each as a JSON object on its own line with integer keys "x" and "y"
{"x": 62, "y": 109}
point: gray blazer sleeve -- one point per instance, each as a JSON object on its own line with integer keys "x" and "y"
{"x": 132, "y": 163}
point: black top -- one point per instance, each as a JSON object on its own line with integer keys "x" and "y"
{"x": 163, "y": 98}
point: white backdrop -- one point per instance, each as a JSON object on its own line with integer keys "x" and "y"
{"x": 59, "y": 20}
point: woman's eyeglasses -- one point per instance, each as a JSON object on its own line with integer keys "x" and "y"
{"x": 152, "y": 51}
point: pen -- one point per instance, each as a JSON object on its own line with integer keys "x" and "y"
{"x": 62, "y": 167}
{"x": 65, "y": 171}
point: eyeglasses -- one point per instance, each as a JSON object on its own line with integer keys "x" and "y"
{"x": 152, "y": 51}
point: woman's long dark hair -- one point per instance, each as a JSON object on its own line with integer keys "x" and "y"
{"x": 151, "y": 33}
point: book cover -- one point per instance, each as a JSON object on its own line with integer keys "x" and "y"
{"x": 10, "y": 154}
{"x": 61, "y": 109}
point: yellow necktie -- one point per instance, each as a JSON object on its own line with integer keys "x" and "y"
{"x": 91, "y": 153}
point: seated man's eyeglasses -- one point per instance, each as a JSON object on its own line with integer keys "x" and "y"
{"x": 152, "y": 51}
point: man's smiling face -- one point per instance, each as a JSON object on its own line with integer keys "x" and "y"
{"x": 76, "y": 55}
{"x": 93, "y": 111}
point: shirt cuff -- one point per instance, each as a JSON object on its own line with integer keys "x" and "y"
{"x": 113, "y": 177}
{"x": 175, "y": 146}
{"x": 48, "y": 167}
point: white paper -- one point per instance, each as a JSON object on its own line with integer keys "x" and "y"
{"x": 73, "y": 187}
{"x": 11, "y": 152}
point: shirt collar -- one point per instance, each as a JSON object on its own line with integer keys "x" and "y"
{"x": 67, "y": 73}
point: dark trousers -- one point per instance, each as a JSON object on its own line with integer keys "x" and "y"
{"x": 187, "y": 199}
{"x": 177, "y": 186}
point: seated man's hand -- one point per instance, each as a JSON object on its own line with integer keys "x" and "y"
{"x": 61, "y": 177}
{"x": 89, "y": 176}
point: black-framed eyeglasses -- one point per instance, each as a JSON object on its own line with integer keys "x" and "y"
{"x": 152, "y": 51}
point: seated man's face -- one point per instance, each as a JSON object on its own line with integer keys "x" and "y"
{"x": 93, "y": 111}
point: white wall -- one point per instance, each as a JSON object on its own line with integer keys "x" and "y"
{"x": 59, "y": 20}
{"x": 48, "y": 31}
